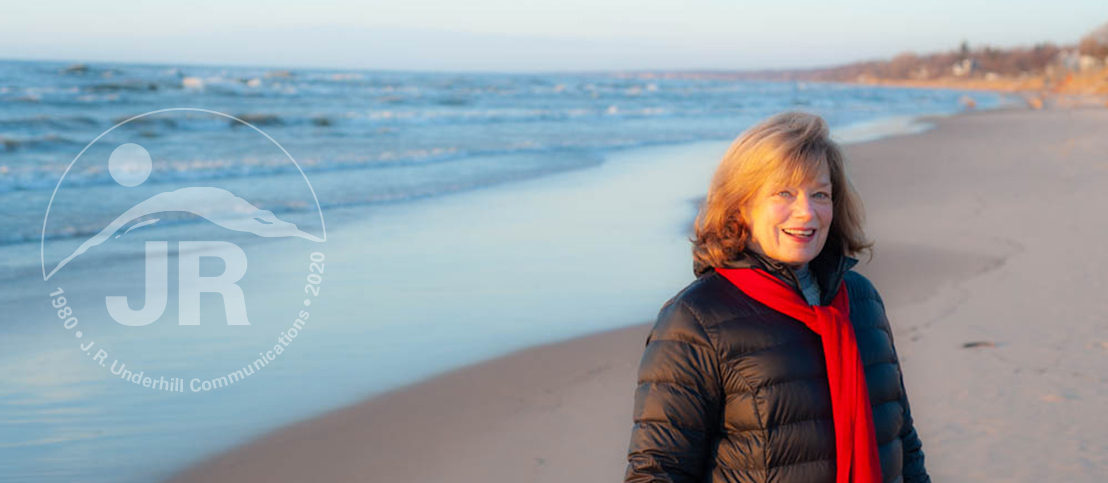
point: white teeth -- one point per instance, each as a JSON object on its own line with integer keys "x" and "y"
{"x": 800, "y": 232}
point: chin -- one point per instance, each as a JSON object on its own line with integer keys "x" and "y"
{"x": 799, "y": 259}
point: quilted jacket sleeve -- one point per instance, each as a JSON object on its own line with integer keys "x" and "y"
{"x": 913, "y": 470}
{"x": 677, "y": 402}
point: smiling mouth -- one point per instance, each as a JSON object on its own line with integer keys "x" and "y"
{"x": 806, "y": 233}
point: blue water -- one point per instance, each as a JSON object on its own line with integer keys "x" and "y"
{"x": 468, "y": 216}
{"x": 396, "y": 136}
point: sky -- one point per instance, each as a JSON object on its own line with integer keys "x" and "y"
{"x": 528, "y": 35}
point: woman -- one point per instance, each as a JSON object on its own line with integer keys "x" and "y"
{"x": 777, "y": 363}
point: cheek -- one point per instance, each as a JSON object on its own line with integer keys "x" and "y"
{"x": 826, "y": 213}
{"x": 781, "y": 215}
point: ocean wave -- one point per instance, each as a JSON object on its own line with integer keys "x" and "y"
{"x": 47, "y": 122}
{"x": 201, "y": 121}
{"x": 375, "y": 118}
{"x": 73, "y": 230}
{"x": 44, "y": 142}
{"x": 83, "y": 70}
{"x": 45, "y": 177}
{"x": 39, "y": 177}
{"x": 151, "y": 122}
{"x": 124, "y": 86}
{"x": 377, "y": 191}
{"x": 417, "y": 116}
{"x": 258, "y": 119}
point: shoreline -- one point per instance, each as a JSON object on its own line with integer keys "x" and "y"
{"x": 396, "y": 431}
{"x": 1036, "y": 93}
{"x": 561, "y": 410}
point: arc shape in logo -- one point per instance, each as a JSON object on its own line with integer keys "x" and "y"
{"x": 46, "y": 218}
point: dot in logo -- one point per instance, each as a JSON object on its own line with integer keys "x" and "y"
{"x": 129, "y": 164}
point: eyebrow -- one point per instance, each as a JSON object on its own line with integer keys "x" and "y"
{"x": 784, "y": 184}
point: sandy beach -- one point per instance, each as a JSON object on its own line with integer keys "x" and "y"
{"x": 989, "y": 235}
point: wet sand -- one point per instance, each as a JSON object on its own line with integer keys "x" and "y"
{"x": 990, "y": 229}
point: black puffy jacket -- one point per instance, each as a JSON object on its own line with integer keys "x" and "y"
{"x": 730, "y": 390}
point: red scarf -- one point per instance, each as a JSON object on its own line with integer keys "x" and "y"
{"x": 855, "y": 440}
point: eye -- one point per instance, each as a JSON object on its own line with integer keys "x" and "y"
{"x": 783, "y": 193}
{"x": 823, "y": 195}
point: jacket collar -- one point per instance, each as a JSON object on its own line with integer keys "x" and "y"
{"x": 828, "y": 268}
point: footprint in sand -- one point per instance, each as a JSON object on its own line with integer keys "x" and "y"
{"x": 970, "y": 345}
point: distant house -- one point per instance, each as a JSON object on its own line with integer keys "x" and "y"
{"x": 1069, "y": 59}
{"x": 1088, "y": 63}
{"x": 963, "y": 67}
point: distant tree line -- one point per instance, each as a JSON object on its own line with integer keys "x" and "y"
{"x": 1096, "y": 43}
{"x": 910, "y": 66}
{"x": 1009, "y": 62}
{"x": 963, "y": 61}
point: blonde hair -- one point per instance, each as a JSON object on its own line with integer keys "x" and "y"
{"x": 791, "y": 146}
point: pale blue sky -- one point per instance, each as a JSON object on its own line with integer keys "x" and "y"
{"x": 527, "y": 35}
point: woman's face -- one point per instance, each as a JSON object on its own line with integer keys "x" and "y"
{"x": 790, "y": 223}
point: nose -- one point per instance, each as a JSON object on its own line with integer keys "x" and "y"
{"x": 803, "y": 209}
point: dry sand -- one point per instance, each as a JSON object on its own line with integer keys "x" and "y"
{"x": 991, "y": 229}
